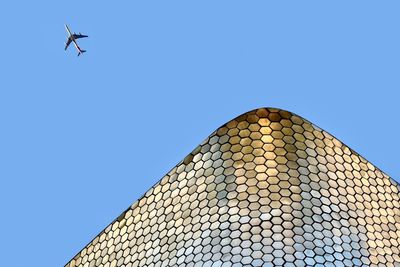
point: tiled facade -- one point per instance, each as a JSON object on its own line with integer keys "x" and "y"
{"x": 266, "y": 189}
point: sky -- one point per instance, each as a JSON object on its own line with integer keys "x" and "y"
{"x": 82, "y": 138}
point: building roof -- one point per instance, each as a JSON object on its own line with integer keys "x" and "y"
{"x": 268, "y": 187}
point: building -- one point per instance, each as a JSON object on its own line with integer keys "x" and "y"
{"x": 268, "y": 188}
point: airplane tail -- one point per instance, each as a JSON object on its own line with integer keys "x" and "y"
{"x": 81, "y": 52}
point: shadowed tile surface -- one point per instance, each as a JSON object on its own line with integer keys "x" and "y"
{"x": 266, "y": 189}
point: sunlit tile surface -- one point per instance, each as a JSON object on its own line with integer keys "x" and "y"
{"x": 266, "y": 189}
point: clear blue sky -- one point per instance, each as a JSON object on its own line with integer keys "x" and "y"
{"x": 83, "y": 138}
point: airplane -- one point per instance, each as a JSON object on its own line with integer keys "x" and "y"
{"x": 72, "y": 39}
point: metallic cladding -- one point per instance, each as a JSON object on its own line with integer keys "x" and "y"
{"x": 266, "y": 189}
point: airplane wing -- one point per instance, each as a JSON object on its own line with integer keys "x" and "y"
{"x": 68, "y": 43}
{"x": 77, "y": 36}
